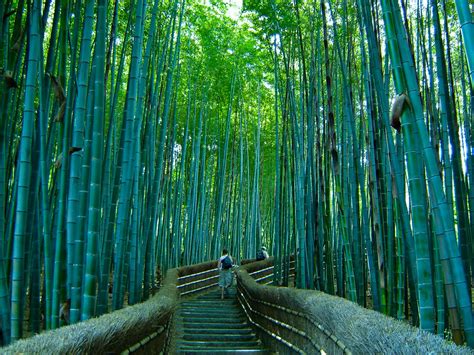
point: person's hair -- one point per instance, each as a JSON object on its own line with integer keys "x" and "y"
{"x": 224, "y": 251}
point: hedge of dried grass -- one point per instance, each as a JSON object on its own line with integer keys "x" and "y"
{"x": 362, "y": 331}
{"x": 110, "y": 333}
{"x": 194, "y": 269}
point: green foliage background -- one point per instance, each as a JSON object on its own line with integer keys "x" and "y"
{"x": 275, "y": 128}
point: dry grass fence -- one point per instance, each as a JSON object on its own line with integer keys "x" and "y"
{"x": 290, "y": 320}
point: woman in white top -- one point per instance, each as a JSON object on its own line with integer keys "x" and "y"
{"x": 224, "y": 264}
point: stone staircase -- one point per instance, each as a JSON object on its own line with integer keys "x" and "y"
{"x": 209, "y": 324}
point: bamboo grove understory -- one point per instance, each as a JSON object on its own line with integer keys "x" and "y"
{"x": 137, "y": 135}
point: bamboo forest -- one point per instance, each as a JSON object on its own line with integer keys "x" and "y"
{"x": 142, "y": 135}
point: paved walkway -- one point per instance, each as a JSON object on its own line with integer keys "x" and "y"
{"x": 209, "y": 324}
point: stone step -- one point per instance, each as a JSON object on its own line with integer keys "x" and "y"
{"x": 209, "y": 303}
{"x": 207, "y": 309}
{"x": 218, "y": 344}
{"x": 211, "y": 325}
{"x": 220, "y": 320}
{"x": 229, "y": 314}
{"x": 214, "y": 303}
{"x": 214, "y": 331}
{"x": 218, "y": 296}
{"x": 192, "y": 350}
{"x": 219, "y": 337}
{"x": 232, "y": 312}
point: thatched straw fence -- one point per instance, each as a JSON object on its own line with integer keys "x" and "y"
{"x": 304, "y": 321}
{"x": 142, "y": 328}
{"x": 287, "y": 320}
{"x": 137, "y": 328}
{"x": 197, "y": 278}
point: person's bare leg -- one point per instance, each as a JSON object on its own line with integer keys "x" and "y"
{"x": 222, "y": 293}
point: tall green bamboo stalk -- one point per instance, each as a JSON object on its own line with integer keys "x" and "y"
{"x": 90, "y": 282}
{"x": 24, "y": 174}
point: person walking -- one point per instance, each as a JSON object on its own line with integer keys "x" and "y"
{"x": 262, "y": 254}
{"x": 224, "y": 264}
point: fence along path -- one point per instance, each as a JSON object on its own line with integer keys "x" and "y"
{"x": 286, "y": 320}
